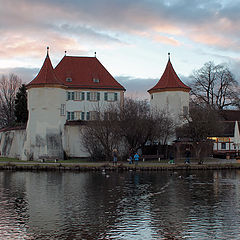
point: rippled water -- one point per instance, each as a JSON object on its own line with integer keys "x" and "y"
{"x": 129, "y": 205}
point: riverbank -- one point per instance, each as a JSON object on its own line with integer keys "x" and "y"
{"x": 12, "y": 165}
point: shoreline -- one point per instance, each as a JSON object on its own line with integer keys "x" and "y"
{"x": 96, "y": 167}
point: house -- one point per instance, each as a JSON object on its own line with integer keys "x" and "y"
{"x": 170, "y": 94}
{"x": 76, "y": 89}
{"x": 224, "y": 142}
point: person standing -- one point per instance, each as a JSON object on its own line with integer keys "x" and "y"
{"x": 114, "y": 153}
{"x": 187, "y": 153}
{"x": 136, "y": 158}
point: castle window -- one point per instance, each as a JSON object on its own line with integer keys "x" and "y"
{"x": 88, "y": 116}
{"x": 70, "y": 115}
{"x": 94, "y": 115}
{"x": 62, "y": 110}
{"x": 96, "y": 80}
{"x": 79, "y": 96}
{"x": 82, "y": 115}
{"x": 110, "y": 96}
{"x": 93, "y": 96}
{"x": 68, "y": 79}
{"x": 70, "y": 95}
{"x": 77, "y": 115}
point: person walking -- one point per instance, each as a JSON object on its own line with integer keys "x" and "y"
{"x": 136, "y": 158}
{"x": 114, "y": 153}
{"x": 171, "y": 157}
{"x": 187, "y": 154}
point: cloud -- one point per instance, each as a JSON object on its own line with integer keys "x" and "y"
{"x": 26, "y": 74}
{"x": 166, "y": 40}
{"x": 137, "y": 87}
{"x": 28, "y": 26}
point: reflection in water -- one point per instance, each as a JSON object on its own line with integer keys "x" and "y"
{"x": 130, "y": 205}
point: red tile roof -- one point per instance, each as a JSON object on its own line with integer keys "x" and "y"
{"x": 82, "y": 71}
{"x": 169, "y": 81}
{"x": 46, "y": 75}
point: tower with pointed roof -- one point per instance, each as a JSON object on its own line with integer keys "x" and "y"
{"x": 45, "y": 127}
{"x": 170, "y": 94}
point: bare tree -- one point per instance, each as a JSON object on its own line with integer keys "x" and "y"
{"x": 126, "y": 127}
{"x": 201, "y": 123}
{"x": 215, "y": 86}
{"x": 9, "y": 86}
{"x": 164, "y": 127}
{"x": 136, "y": 123}
{"x": 101, "y": 135}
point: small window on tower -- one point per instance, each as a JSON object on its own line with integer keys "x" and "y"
{"x": 68, "y": 79}
{"x": 96, "y": 80}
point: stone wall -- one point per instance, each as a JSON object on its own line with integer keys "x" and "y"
{"x": 72, "y": 141}
{"x": 11, "y": 143}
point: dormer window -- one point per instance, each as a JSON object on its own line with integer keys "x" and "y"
{"x": 96, "y": 80}
{"x": 68, "y": 79}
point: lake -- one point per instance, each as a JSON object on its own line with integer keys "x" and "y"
{"x": 120, "y": 205}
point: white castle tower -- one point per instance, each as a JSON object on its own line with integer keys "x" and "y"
{"x": 170, "y": 94}
{"x": 45, "y": 127}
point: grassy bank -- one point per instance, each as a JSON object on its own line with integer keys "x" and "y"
{"x": 84, "y": 165}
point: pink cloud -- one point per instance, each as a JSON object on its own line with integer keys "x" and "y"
{"x": 166, "y": 40}
{"x": 15, "y": 45}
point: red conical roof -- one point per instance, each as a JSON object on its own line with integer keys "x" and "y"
{"x": 169, "y": 81}
{"x": 46, "y": 75}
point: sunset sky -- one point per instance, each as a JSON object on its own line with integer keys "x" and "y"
{"x": 131, "y": 37}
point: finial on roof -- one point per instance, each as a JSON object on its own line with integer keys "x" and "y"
{"x": 95, "y": 54}
{"x": 47, "y": 50}
{"x": 169, "y": 56}
{"x": 65, "y": 53}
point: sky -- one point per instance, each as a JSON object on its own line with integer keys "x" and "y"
{"x": 131, "y": 38}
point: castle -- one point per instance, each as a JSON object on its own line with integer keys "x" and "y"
{"x": 76, "y": 89}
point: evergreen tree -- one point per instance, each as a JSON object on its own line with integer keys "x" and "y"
{"x": 21, "y": 112}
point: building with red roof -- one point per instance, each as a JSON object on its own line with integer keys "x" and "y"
{"x": 76, "y": 89}
{"x": 170, "y": 94}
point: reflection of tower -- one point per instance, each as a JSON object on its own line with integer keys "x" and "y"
{"x": 170, "y": 94}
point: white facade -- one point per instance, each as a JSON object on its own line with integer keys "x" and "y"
{"x": 174, "y": 103}
{"x": 81, "y": 104}
{"x": 50, "y": 108}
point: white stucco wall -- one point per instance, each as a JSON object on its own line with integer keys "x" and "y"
{"x": 170, "y": 101}
{"x": 45, "y": 128}
{"x": 12, "y": 142}
{"x": 73, "y": 141}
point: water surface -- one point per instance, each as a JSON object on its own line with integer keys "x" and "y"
{"x": 112, "y": 205}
